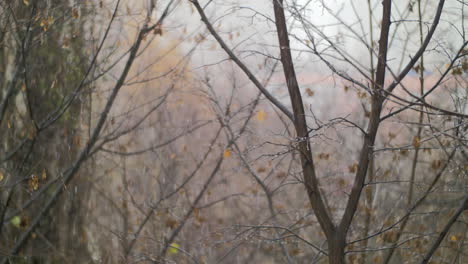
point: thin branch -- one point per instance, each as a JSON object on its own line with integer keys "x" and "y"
{"x": 239, "y": 63}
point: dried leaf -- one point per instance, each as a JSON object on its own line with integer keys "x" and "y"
{"x": 76, "y": 140}
{"x": 310, "y": 92}
{"x": 44, "y": 175}
{"x": 281, "y": 175}
{"x": 24, "y": 222}
{"x": 227, "y": 153}
{"x": 436, "y": 164}
{"x": 342, "y": 183}
{"x": 457, "y": 71}
{"x": 171, "y": 223}
{"x": 33, "y": 182}
{"x": 75, "y": 13}
{"x": 324, "y": 156}
{"x": 158, "y": 29}
{"x": 261, "y": 115}
{"x": 353, "y": 168}
{"x": 416, "y": 142}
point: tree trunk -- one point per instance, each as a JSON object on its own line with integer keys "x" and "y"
{"x": 336, "y": 248}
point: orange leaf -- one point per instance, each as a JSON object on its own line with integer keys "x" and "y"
{"x": 261, "y": 115}
{"x": 227, "y": 153}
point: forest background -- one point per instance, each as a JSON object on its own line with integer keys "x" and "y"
{"x": 185, "y": 131}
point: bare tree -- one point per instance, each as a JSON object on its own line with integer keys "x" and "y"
{"x": 339, "y": 228}
{"x": 319, "y": 133}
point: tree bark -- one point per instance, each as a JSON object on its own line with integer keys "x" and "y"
{"x": 300, "y": 124}
{"x": 336, "y": 248}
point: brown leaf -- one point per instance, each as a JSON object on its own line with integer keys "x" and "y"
{"x": 76, "y": 140}
{"x": 75, "y": 13}
{"x": 171, "y": 223}
{"x": 324, "y": 156}
{"x": 281, "y": 175}
{"x": 436, "y": 164}
{"x": 158, "y": 30}
{"x": 353, "y": 168}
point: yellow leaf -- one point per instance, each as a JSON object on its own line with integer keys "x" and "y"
{"x": 173, "y": 248}
{"x": 261, "y": 115}
{"x": 1, "y": 176}
{"x": 16, "y": 221}
{"x": 416, "y": 142}
{"x": 227, "y": 153}
{"x": 453, "y": 238}
{"x": 33, "y": 183}
{"x": 26, "y": 2}
{"x": 44, "y": 175}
